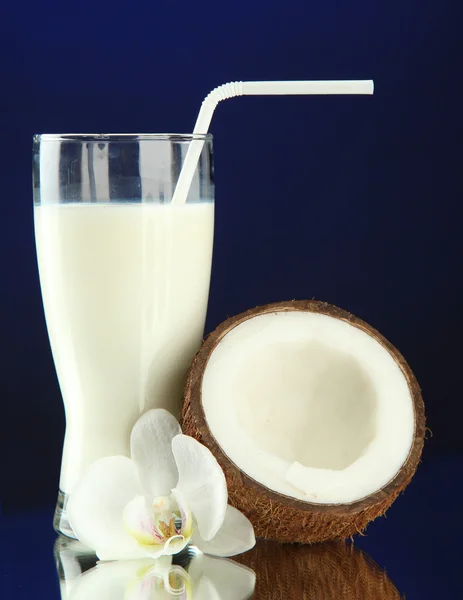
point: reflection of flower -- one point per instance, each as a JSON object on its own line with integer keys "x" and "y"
{"x": 205, "y": 578}
{"x": 171, "y": 492}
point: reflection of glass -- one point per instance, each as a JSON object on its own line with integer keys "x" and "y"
{"x": 331, "y": 570}
{"x": 125, "y": 280}
{"x": 72, "y": 559}
{"x": 191, "y": 576}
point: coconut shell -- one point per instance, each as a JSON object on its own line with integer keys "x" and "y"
{"x": 276, "y": 516}
{"x": 334, "y": 570}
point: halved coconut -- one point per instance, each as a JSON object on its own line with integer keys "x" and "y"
{"x": 315, "y": 418}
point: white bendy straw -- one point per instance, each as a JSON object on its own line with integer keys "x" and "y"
{"x": 254, "y": 88}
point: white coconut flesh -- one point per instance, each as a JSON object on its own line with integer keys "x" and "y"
{"x": 309, "y": 406}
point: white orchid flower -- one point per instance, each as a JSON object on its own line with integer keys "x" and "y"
{"x": 205, "y": 578}
{"x": 172, "y": 492}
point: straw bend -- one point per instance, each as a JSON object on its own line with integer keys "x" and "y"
{"x": 222, "y": 92}
{"x": 253, "y": 88}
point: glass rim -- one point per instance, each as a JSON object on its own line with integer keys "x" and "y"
{"x": 120, "y": 137}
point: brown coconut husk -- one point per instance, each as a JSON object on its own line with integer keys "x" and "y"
{"x": 276, "y": 516}
{"x": 333, "y": 570}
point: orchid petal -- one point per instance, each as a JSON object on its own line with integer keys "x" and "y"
{"x": 163, "y": 580}
{"x": 172, "y": 578}
{"x": 173, "y": 545}
{"x": 158, "y": 568}
{"x": 151, "y": 449}
{"x": 139, "y": 521}
{"x": 122, "y": 580}
{"x": 206, "y": 590}
{"x": 202, "y": 482}
{"x": 156, "y": 528}
{"x": 230, "y": 580}
{"x": 96, "y": 506}
{"x": 106, "y": 580}
{"x": 234, "y": 537}
{"x": 185, "y": 513}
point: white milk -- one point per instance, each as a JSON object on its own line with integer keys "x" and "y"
{"x": 125, "y": 291}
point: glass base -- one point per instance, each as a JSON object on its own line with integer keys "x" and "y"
{"x": 60, "y": 520}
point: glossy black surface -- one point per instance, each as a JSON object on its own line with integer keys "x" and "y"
{"x": 417, "y": 545}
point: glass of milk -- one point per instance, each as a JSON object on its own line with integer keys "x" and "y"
{"x": 125, "y": 278}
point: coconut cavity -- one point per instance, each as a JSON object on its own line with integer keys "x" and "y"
{"x": 305, "y": 402}
{"x": 315, "y": 418}
{"x": 309, "y": 406}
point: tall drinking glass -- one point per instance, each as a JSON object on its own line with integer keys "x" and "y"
{"x": 125, "y": 277}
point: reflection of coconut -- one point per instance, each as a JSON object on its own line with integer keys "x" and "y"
{"x": 315, "y": 418}
{"x": 329, "y": 571}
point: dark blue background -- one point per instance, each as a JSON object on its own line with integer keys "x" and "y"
{"x": 352, "y": 200}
